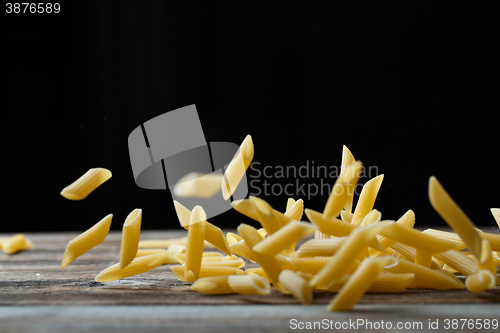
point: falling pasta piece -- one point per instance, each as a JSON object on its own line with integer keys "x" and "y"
{"x": 480, "y": 281}
{"x": 245, "y": 207}
{"x": 198, "y": 185}
{"x": 249, "y": 284}
{"x": 319, "y": 247}
{"x": 453, "y": 215}
{"x": 372, "y": 217}
{"x": 137, "y": 266}
{"x": 237, "y": 168}
{"x": 295, "y": 210}
{"x": 297, "y": 286}
{"x": 285, "y": 236}
{"x": 131, "y": 232}
{"x": 359, "y": 283}
{"x": 16, "y": 243}
{"x": 212, "y": 285}
{"x": 183, "y": 214}
{"x": 87, "y": 183}
{"x": 194, "y": 248}
{"x": 367, "y": 199}
{"x": 265, "y": 214}
{"x": 347, "y": 159}
{"x": 86, "y": 241}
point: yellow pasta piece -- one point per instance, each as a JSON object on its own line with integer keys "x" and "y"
{"x": 423, "y": 258}
{"x": 146, "y": 252}
{"x": 237, "y": 167}
{"x": 206, "y": 271}
{"x": 265, "y": 214}
{"x": 493, "y": 239}
{"x": 243, "y": 250}
{"x": 137, "y": 266}
{"x": 486, "y": 260}
{"x": 354, "y": 244}
{"x": 87, "y": 183}
{"x": 232, "y": 238}
{"x": 359, "y": 283}
{"x": 373, "y": 216}
{"x": 198, "y": 185}
{"x": 496, "y": 215}
{"x": 249, "y": 284}
{"x": 480, "y": 281}
{"x": 451, "y": 236}
{"x": 183, "y": 214}
{"x": 453, "y": 215}
{"x": 458, "y": 261}
{"x": 213, "y": 285}
{"x": 319, "y": 247}
{"x": 194, "y": 248}
{"x": 297, "y": 286}
{"x": 426, "y": 277}
{"x": 16, "y": 243}
{"x": 161, "y": 243}
{"x": 339, "y": 194}
{"x": 130, "y": 237}
{"x": 416, "y": 238}
{"x": 206, "y": 256}
{"x": 296, "y": 210}
{"x": 384, "y": 283}
{"x": 366, "y": 199}
{"x": 86, "y": 241}
{"x": 284, "y": 237}
{"x": 347, "y": 159}
{"x": 257, "y": 271}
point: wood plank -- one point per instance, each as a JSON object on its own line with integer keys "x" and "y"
{"x": 33, "y": 278}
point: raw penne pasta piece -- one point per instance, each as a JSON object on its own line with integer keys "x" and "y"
{"x": 359, "y": 283}
{"x": 426, "y": 277}
{"x": 206, "y": 271}
{"x": 161, "y": 243}
{"x": 198, "y": 185}
{"x": 384, "y": 283}
{"x": 289, "y": 203}
{"x": 16, "y": 243}
{"x": 213, "y": 285}
{"x": 423, "y": 258}
{"x": 366, "y": 199}
{"x": 493, "y": 239}
{"x": 408, "y": 220}
{"x": 213, "y": 234}
{"x": 262, "y": 232}
{"x": 480, "y": 281}
{"x": 453, "y": 215}
{"x": 194, "y": 247}
{"x": 451, "y": 236}
{"x": 496, "y": 215}
{"x": 137, "y": 266}
{"x": 232, "y": 238}
{"x": 354, "y": 244}
{"x": 265, "y": 214}
{"x": 86, "y": 241}
{"x": 373, "y": 216}
{"x": 249, "y": 284}
{"x": 458, "y": 261}
{"x": 87, "y": 183}
{"x": 486, "y": 260}
{"x": 297, "y": 285}
{"x": 416, "y": 238}
{"x": 237, "y": 168}
{"x": 346, "y": 216}
{"x": 268, "y": 262}
{"x": 347, "y": 159}
{"x": 183, "y": 214}
{"x": 131, "y": 233}
{"x": 319, "y": 247}
{"x": 243, "y": 250}
{"x": 339, "y": 195}
{"x": 245, "y": 207}
{"x": 284, "y": 237}
{"x": 296, "y": 210}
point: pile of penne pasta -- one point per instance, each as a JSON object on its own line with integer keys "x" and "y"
{"x": 346, "y": 252}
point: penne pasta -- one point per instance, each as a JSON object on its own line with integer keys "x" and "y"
{"x": 147, "y": 252}
{"x": 319, "y": 247}
{"x": 265, "y": 214}
{"x": 423, "y": 258}
{"x": 297, "y": 286}
{"x": 237, "y": 168}
{"x": 161, "y": 243}
{"x": 243, "y": 250}
{"x": 496, "y": 215}
{"x": 137, "y": 266}
{"x": 245, "y": 207}
{"x": 458, "y": 261}
{"x": 198, "y": 185}
{"x": 213, "y": 285}
{"x": 359, "y": 283}
{"x": 366, "y": 199}
{"x": 284, "y": 237}
{"x": 194, "y": 247}
{"x": 249, "y": 284}
{"x": 347, "y": 159}
{"x": 86, "y": 241}
{"x": 130, "y": 237}
{"x": 450, "y": 236}
{"x": 232, "y": 238}
{"x": 16, "y": 243}
{"x": 373, "y": 216}
{"x": 295, "y": 210}
{"x": 453, "y": 215}
{"x": 257, "y": 271}
{"x": 86, "y": 184}
{"x": 183, "y": 214}
{"x": 480, "y": 281}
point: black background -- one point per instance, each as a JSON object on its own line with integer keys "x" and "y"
{"x": 410, "y": 88}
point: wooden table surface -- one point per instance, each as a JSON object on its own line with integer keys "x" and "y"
{"x": 35, "y": 295}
